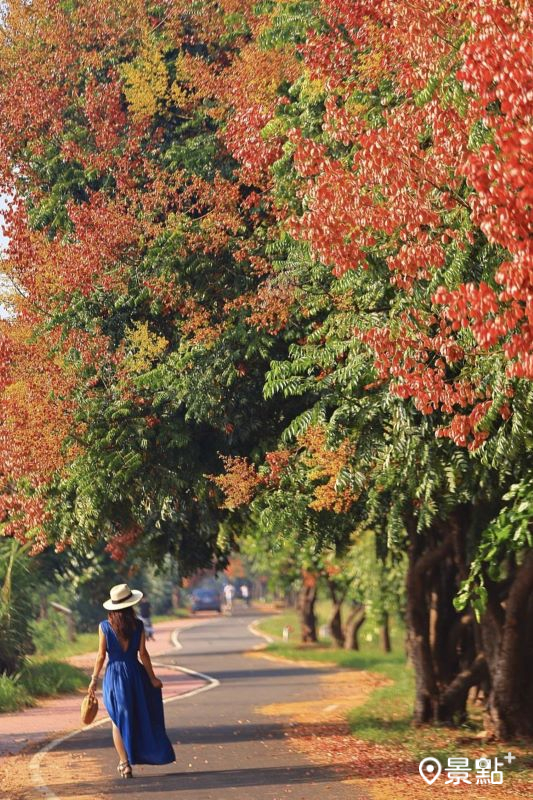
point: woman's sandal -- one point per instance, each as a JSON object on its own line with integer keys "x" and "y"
{"x": 124, "y": 768}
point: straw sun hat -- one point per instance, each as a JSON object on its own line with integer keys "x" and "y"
{"x": 121, "y": 596}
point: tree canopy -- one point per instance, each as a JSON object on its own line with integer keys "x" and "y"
{"x": 272, "y": 267}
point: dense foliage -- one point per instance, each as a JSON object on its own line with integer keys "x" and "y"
{"x": 296, "y": 235}
{"x": 17, "y": 605}
{"x": 129, "y": 366}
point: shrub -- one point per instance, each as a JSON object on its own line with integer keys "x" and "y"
{"x": 17, "y": 605}
{"x": 39, "y": 680}
{"x": 52, "y": 677}
{"x": 13, "y": 695}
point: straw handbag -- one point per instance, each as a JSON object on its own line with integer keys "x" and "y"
{"x": 89, "y": 709}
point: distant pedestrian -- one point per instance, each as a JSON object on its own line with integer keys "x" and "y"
{"x": 229, "y": 594}
{"x": 245, "y": 593}
{"x": 132, "y": 693}
{"x": 145, "y": 614}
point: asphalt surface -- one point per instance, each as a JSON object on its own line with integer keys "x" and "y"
{"x": 225, "y": 749}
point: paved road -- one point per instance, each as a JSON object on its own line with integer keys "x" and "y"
{"x": 225, "y": 749}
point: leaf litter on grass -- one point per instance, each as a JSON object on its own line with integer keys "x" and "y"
{"x": 319, "y": 729}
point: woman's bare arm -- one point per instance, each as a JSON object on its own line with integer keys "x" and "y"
{"x": 99, "y": 662}
{"x": 147, "y": 664}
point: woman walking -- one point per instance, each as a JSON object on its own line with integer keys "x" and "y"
{"x": 132, "y": 693}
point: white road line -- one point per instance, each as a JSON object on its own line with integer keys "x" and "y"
{"x": 36, "y": 761}
{"x": 211, "y": 682}
{"x": 332, "y": 707}
{"x": 176, "y": 644}
{"x": 174, "y": 636}
{"x": 252, "y": 627}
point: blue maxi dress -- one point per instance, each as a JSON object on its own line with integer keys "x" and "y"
{"x": 134, "y": 705}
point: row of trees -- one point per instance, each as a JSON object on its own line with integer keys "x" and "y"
{"x": 361, "y": 585}
{"x": 294, "y": 235}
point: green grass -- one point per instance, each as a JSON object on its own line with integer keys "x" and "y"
{"x": 386, "y": 718}
{"x": 274, "y": 625}
{"x": 13, "y": 695}
{"x": 84, "y": 643}
{"x": 52, "y": 677}
{"x": 39, "y": 679}
{"x": 368, "y": 635}
{"x": 369, "y": 658}
{"x": 179, "y": 613}
{"x": 387, "y": 714}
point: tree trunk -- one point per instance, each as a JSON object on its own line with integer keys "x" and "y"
{"x": 307, "y": 611}
{"x": 450, "y": 652}
{"x": 456, "y": 693}
{"x": 335, "y": 626}
{"x": 418, "y": 620}
{"x": 511, "y": 660}
{"x": 385, "y": 633}
{"x": 355, "y": 619}
{"x": 441, "y": 643}
{"x": 335, "y": 621}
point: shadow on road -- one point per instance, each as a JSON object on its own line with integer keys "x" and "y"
{"x": 209, "y": 734}
{"x": 208, "y": 779}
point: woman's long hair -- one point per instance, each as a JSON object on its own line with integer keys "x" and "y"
{"x": 123, "y": 623}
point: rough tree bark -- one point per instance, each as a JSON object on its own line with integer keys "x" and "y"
{"x": 418, "y": 621}
{"x": 441, "y": 642}
{"x": 507, "y": 630}
{"x": 450, "y": 652}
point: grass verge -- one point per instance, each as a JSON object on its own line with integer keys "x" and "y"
{"x": 13, "y": 695}
{"x": 386, "y": 717}
{"x": 289, "y": 618}
{"x": 39, "y": 679}
{"x": 83, "y": 643}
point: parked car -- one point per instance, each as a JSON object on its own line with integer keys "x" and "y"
{"x": 205, "y": 600}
